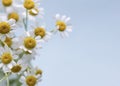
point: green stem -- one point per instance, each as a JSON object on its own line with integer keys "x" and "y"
{"x": 2, "y": 78}
{"x": 7, "y": 79}
{"x": 26, "y": 19}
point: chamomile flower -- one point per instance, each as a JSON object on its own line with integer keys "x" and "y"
{"x": 41, "y": 32}
{"x": 30, "y": 79}
{"x": 29, "y": 43}
{"x": 19, "y": 66}
{"x": 34, "y": 10}
{"x": 31, "y": 4}
{"x": 7, "y": 29}
{"x": 6, "y": 4}
{"x": 11, "y": 42}
{"x": 36, "y": 13}
{"x": 14, "y": 44}
{"x": 62, "y": 25}
{"x": 16, "y": 14}
{"x": 6, "y": 58}
{"x": 37, "y": 71}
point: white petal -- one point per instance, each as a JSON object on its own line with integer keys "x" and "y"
{"x": 28, "y": 34}
{"x": 10, "y": 66}
{"x": 3, "y": 37}
{"x": 13, "y": 63}
{"x": 22, "y": 79}
{"x": 1, "y": 65}
{"x": 62, "y": 34}
{"x": 49, "y": 33}
{"x": 57, "y": 16}
{"x": 7, "y": 49}
{"x": 37, "y": 76}
{"x": 66, "y": 34}
{"x": 20, "y": 61}
{"x": 11, "y": 34}
{"x": 11, "y": 21}
{"x": 9, "y": 10}
{"x": 15, "y": 56}
{"x": 32, "y": 33}
{"x": 69, "y": 29}
{"x": 40, "y": 41}
{"x": 67, "y": 19}
{"x": 6, "y": 69}
{"x": 25, "y": 73}
{"x": 63, "y": 18}
{"x": 38, "y": 38}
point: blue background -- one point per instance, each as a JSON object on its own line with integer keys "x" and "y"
{"x": 91, "y": 55}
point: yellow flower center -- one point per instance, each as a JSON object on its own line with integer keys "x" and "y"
{"x": 62, "y": 25}
{"x": 6, "y": 2}
{"x": 39, "y": 32}
{"x": 29, "y": 42}
{"x": 13, "y": 15}
{"x": 29, "y": 4}
{"x": 31, "y": 80}
{"x": 38, "y": 72}
{"x": 34, "y": 12}
{"x": 4, "y": 27}
{"x": 8, "y": 41}
{"x": 16, "y": 69}
{"x": 6, "y": 58}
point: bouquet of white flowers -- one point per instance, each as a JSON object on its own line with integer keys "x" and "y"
{"x": 18, "y": 49}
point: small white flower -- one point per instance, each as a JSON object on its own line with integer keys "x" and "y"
{"x": 7, "y": 29}
{"x": 31, "y": 4}
{"x": 8, "y": 4}
{"x": 16, "y": 13}
{"x": 19, "y": 67}
{"x": 30, "y": 79}
{"x": 7, "y": 58}
{"x": 37, "y": 71}
{"x": 29, "y": 43}
{"x": 41, "y": 32}
{"x": 62, "y": 25}
{"x": 34, "y": 10}
{"x": 36, "y": 13}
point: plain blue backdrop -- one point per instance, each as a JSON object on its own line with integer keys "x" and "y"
{"x": 91, "y": 55}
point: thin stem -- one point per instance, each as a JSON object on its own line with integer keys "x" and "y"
{"x": 26, "y": 19}
{"x": 2, "y": 78}
{"x": 53, "y": 31}
{"x": 7, "y": 79}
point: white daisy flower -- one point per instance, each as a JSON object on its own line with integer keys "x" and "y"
{"x": 34, "y": 10}
{"x": 6, "y": 4}
{"x": 41, "y": 32}
{"x": 31, "y": 4}
{"x": 6, "y": 58}
{"x": 30, "y": 79}
{"x": 7, "y": 29}
{"x": 62, "y": 25}
{"x": 11, "y": 42}
{"x": 37, "y": 71}
{"x": 19, "y": 67}
{"x": 14, "y": 44}
{"x": 29, "y": 43}
{"x": 16, "y": 14}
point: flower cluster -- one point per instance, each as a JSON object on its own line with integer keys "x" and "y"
{"x": 18, "y": 50}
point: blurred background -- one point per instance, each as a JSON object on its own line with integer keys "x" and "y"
{"x": 91, "y": 55}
